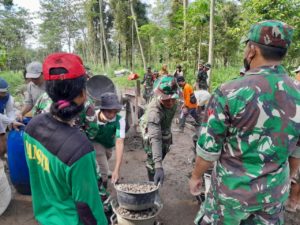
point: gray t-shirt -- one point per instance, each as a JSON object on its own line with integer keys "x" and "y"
{"x": 33, "y": 93}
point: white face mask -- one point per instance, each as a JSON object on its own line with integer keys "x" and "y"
{"x": 113, "y": 119}
{"x": 108, "y": 120}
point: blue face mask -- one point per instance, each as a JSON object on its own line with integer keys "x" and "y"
{"x": 3, "y": 102}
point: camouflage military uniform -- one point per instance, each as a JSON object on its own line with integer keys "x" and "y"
{"x": 155, "y": 125}
{"x": 156, "y": 129}
{"x": 251, "y": 128}
{"x": 148, "y": 85}
{"x": 202, "y": 79}
{"x": 42, "y": 105}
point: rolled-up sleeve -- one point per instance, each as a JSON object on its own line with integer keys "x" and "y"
{"x": 214, "y": 128}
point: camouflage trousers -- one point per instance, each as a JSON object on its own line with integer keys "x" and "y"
{"x": 215, "y": 213}
{"x": 147, "y": 93}
{"x": 149, "y": 162}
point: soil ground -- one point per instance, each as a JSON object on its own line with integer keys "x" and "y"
{"x": 179, "y": 207}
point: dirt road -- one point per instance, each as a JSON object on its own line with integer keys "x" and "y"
{"x": 179, "y": 206}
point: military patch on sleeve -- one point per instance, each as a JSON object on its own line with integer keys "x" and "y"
{"x": 210, "y": 112}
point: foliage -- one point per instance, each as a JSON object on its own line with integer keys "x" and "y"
{"x": 3, "y": 56}
{"x": 160, "y": 12}
{"x": 61, "y": 23}
{"x": 75, "y": 25}
{"x": 123, "y": 23}
{"x": 7, "y": 4}
{"x": 227, "y": 32}
{"x": 15, "y": 80}
{"x": 287, "y": 11}
{"x": 222, "y": 75}
{"x": 15, "y": 28}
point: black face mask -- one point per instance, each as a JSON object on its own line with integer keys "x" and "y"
{"x": 246, "y": 64}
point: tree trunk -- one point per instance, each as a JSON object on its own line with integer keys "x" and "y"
{"x": 185, "y": 5}
{"x": 211, "y": 38}
{"x": 199, "y": 47}
{"x": 126, "y": 54}
{"x": 200, "y": 43}
{"x": 102, "y": 30}
{"x": 101, "y": 47}
{"x": 150, "y": 58}
{"x": 132, "y": 46}
{"x": 86, "y": 47}
{"x": 225, "y": 62}
{"x": 91, "y": 35}
{"x": 137, "y": 34}
{"x": 119, "y": 54}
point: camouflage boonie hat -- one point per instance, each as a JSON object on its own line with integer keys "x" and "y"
{"x": 271, "y": 33}
{"x": 166, "y": 88}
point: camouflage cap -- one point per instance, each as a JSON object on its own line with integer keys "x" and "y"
{"x": 271, "y": 33}
{"x": 166, "y": 88}
{"x": 207, "y": 65}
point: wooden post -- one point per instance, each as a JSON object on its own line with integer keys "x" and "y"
{"x": 136, "y": 105}
{"x": 211, "y": 39}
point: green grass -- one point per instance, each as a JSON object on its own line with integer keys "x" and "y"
{"x": 120, "y": 82}
{"x": 222, "y": 75}
{"x": 15, "y": 81}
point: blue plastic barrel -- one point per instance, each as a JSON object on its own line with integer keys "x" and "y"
{"x": 18, "y": 169}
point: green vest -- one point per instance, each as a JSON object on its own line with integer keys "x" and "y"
{"x": 107, "y": 133}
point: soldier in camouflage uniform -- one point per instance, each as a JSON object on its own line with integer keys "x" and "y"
{"x": 148, "y": 84}
{"x": 202, "y": 77}
{"x": 251, "y": 130}
{"x": 156, "y": 126}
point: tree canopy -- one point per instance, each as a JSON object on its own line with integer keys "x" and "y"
{"x": 104, "y": 32}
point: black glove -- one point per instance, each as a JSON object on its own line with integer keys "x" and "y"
{"x": 159, "y": 176}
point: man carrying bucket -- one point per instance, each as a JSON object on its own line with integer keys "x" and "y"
{"x": 156, "y": 126}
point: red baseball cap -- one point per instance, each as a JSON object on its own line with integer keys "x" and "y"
{"x": 70, "y": 62}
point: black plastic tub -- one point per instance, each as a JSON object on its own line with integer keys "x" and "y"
{"x": 136, "y": 201}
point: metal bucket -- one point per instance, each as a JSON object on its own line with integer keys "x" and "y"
{"x": 125, "y": 220}
{"x": 137, "y": 201}
{"x": 97, "y": 85}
